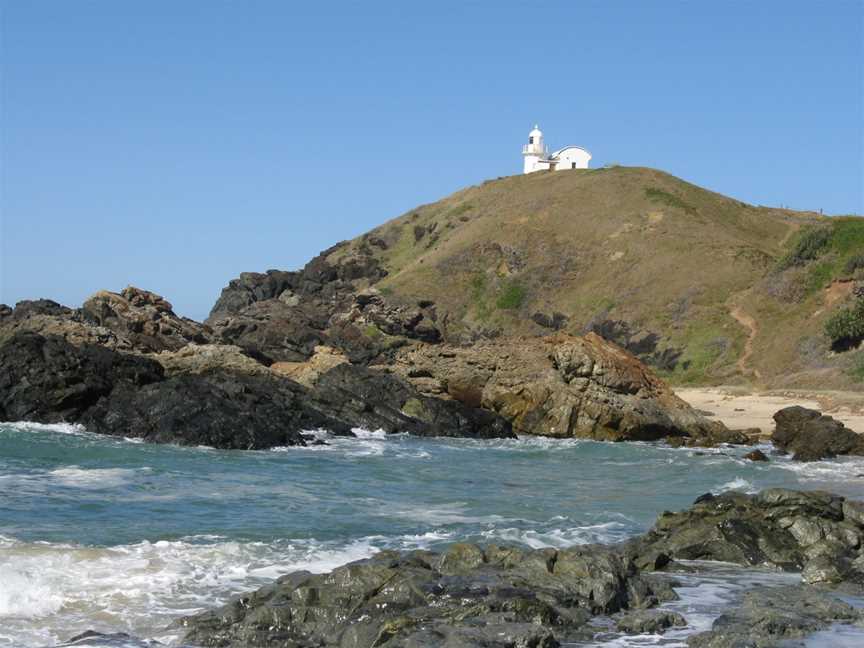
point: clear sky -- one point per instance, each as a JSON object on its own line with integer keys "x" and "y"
{"x": 172, "y": 145}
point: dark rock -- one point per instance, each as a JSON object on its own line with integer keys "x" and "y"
{"x": 768, "y": 616}
{"x": 811, "y": 435}
{"x": 469, "y": 596}
{"x": 47, "y": 379}
{"x": 645, "y": 345}
{"x": 649, "y": 621}
{"x": 367, "y": 398}
{"x": 556, "y": 321}
{"x": 92, "y": 639}
{"x": 792, "y": 530}
{"x": 756, "y": 455}
{"x": 219, "y": 409}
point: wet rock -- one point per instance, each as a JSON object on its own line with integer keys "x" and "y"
{"x": 93, "y": 639}
{"x": 811, "y": 435}
{"x": 649, "y": 622}
{"x": 560, "y": 386}
{"x": 791, "y": 530}
{"x": 470, "y": 596}
{"x": 769, "y": 616}
{"x": 756, "y": 455}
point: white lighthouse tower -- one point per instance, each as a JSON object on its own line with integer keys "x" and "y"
{"x": 534, "y": 151}
{"x": 537, "y": 158}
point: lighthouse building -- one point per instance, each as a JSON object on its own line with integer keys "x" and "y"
{"x": 537, "y": 158}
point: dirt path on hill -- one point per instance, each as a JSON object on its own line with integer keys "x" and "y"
{"x": 749, "y": 323}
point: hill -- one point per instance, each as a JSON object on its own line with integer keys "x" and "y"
{"x": 706, "y": 288}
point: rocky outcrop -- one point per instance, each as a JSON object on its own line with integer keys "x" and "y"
{"x": 133, "y": 321}
{"x": 46, "y": 317}
{"x": 307, "y": 373}
{"x": 374, "y": 400}
{"x": 213, "y": 395}
{"x": 203, "y": 358}
{"x": 144, "y": 318}
{"x": 500, "y": 597}
{"x": 814, "y": 532}
{"x": 49, "y": 380}
{"x": 560, "y": 386}
{"x": 282, "y": 316}
{"x": 811, "y": 435}
{"x": 769, "y": 617}
{"x": 468, "y": 596}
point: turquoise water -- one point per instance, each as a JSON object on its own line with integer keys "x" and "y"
{"x": 115, "y": 535}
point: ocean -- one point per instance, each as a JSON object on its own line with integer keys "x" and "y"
{"x": 119, "y": 536}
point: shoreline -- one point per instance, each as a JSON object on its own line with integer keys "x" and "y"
{"x": 742, "y": 408}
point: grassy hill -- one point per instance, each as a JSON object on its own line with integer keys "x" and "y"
{"x": 707, "y": 288}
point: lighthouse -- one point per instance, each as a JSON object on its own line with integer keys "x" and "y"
{"x": 536, "y": 158}
{"x": 534, "y": 150}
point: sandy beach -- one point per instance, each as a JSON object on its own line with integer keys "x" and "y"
{"x": 740, "y": 408}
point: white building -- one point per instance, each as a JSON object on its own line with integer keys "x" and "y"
{"x": 537, "y": 157}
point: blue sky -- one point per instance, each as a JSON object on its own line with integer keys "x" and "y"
{"x": 172, "y": 145}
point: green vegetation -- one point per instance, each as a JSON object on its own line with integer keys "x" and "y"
{"x": 478, "y": 297}
{"x": 372, "y": 331}
{"x": 510, "y": 296}
{"x": 856, "y": 372}
{"x": 810, "y": 244}
{"x": 853, "y": 264}
{"x": 846, "y": 327}
{"x": 837, "y": 246}
{"x": 671, "y": 200}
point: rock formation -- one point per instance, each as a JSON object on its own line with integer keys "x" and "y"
{"x": 500, "y": 597}
{"x": 811, "y": 435}
{"x": 560, "y": 386}
{"x": 466, "y": 596}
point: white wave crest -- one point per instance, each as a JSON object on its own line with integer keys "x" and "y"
{"x": 737, "y": 484}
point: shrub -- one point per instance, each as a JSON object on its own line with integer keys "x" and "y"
{"x": 853, "y": 264}
{"x": 846, "y": 327}
{"x": 511, "y": 296}
{"x": 811, "y": 244}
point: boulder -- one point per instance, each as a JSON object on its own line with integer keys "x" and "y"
{"x": 811, "y": 435}
{"x": 649, "y": 622}
{"x": 560, "y": 386}
{"x": 785, "y": 529}
{"x": 469, "y": 596}
{"x": 756, "y": 455}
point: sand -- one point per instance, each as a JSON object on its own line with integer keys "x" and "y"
{"x": 738, "y": 408}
